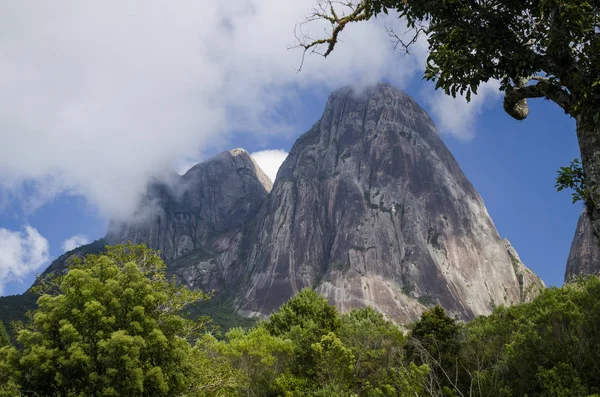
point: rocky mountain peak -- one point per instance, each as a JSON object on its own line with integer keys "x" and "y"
{"x": 371, "y": 208}
{"x": 374, "y": 104}
{"x": 222, "y": 165}
{"x": 212, "y": 198}
{"x": 584, "y": 257}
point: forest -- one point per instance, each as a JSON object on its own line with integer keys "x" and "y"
{"x": 116, "y": 325}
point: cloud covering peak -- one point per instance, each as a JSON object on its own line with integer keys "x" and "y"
{"x": 96, "y": 98}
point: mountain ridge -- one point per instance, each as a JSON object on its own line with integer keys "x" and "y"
{"x": 369, "y": 208}
{"x": 376, "y": 156}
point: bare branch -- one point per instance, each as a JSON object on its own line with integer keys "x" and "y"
{"x": 399, "y": 41}
{"x": 428, "y": 358}
{"x": 326, "y": 11}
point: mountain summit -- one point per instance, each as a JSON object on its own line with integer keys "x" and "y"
{"x": 369, "y": 208}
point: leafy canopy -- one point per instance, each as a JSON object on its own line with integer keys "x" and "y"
{"x": 110, "y": 327}
{"x": 551, "y": 43}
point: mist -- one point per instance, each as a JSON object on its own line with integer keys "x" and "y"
{"x": 98, "y": 98}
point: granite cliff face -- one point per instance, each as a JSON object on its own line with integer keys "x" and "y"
{"x": 584, "y": 257}
{"x": 530, "y": 285}
{"x": 371, "y": 208}
{"x": 197, "y": 221}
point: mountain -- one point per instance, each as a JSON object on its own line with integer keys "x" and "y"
{"x": 584, "y": 257}
{"x": 61, "y": 264}
{"x": 369, "y": 208}
{"x": 197, "y": 220}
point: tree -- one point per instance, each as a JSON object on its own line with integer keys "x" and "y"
{"x": 257, "y": 356}
{"x": 547, "y": 347}
{"x": 307, "y": 310}
{"x": 434, "y": 340}
{"x": 536, "y": 49}
{"x": 378, "y": 346}
{"x": 335, "y": 362}
{"x": 110, "y": 327}
{"x": 4, "y": 337}
{"x": 305, "y": 320}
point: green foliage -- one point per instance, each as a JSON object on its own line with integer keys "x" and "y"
{"x": 573, "y": 177}
{"x": 8, "y": 373}
{"x": 434, "y": 341}
{"x": 378, "y": 347}
{"x": 335, "y": 362}
{"x": 304, "y": 319}
{"x": 435, "y": 337}
{"x": 257, "y": 356}
{"x": 544, "y": 348}
{"x": 4, "y": 337}
{"x": 113, "y": 328}
{"x": 13, "y": 310}
{"x": 410, "y": 380}
{"x": 219, "y": 315}
{"x": 307, "y": 310}
{"x": 363, "y": 354}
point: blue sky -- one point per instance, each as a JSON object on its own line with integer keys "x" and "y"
{"x": 87, "y": 116}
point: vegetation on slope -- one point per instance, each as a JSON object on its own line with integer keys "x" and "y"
{"x": 113, "y": 326}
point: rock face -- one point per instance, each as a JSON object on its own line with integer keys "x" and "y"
{"x": 371, "y": 208}
{"x": 584, "y": 257}
{"x": 530, "y": 285}
{"x": 197, "y": 221}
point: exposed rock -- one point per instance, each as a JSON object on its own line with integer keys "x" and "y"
{"x": 530, "y": 285}
{"x": 371, "y": 208}
{"x": 197, "y": 221}
{"x": 584, "y": 257}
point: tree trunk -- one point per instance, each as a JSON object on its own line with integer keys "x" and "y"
{"x": 588, "y": 135}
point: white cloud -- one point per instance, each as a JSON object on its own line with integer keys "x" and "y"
{"x": 270, "y": 161}
{"x": 456, "y": 116}
{"x": 73, "y": 242}
{"x": 21, "y": 253}
{"x": 184, "y": 165}
{"x": 95, "y": 98}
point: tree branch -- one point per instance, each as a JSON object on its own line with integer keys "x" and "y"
{"x": 326, "y": 11}
{"x": 400, "y": 41}
{"x": 515, "y": 99}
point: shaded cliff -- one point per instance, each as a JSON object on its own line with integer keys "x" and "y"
{"x": 197, "y": 221}
{"x": 371, "y": 208}
{"x": 584, "y": 257}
